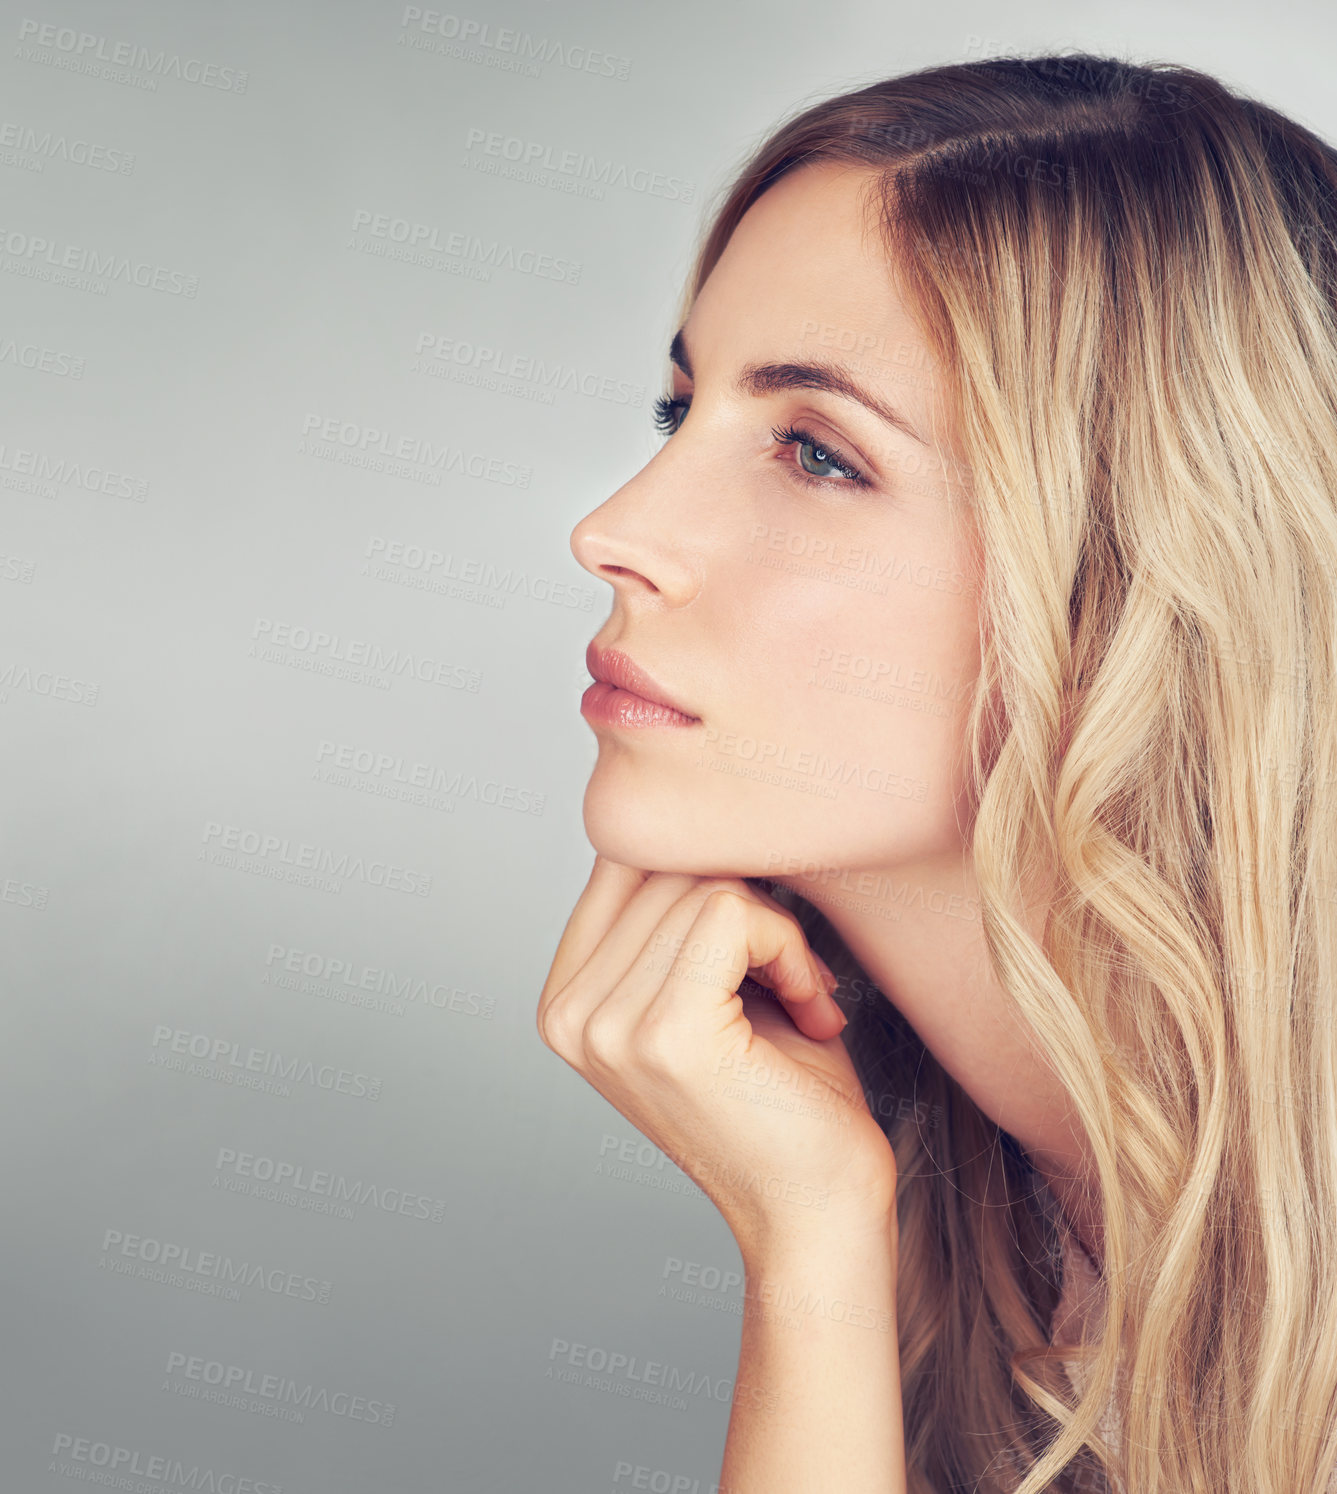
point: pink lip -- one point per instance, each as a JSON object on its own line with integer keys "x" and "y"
{"x": 624, "y": 695}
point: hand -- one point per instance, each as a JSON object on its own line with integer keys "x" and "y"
{"x": 751, "y": 1093}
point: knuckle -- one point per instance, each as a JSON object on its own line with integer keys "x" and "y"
{"x": 658, "y": 1046}
{"x": 557, "y": 1030}
{"x": 722, "y": 895}
{"x": 602, "y": 1040}
{"x": 735, "y": 885}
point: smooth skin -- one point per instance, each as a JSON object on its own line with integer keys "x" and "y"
{"x": 642, "y": 1000}
{"x": 747, "y": 574}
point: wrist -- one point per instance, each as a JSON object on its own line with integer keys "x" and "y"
{"x": 817, "y": 1240}
{"x": 843, "y": 1283}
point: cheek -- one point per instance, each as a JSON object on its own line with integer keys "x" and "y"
{"x": 874, "y": 685}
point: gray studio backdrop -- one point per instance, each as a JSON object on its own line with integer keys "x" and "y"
{"x": 321, "y": 325}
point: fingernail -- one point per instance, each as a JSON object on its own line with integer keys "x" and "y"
{"x": 829, "y": 977}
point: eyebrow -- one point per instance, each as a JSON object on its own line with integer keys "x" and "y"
{"x": 770, "y": 378}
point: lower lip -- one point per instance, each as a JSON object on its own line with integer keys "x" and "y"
{"x": 610, "y": 706}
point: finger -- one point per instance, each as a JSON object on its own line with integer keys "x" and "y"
{"x": 635, "y": 930}
{"x": 823, "y": 976}
{"x": 777, "y": 946}
{"x": 827, "y": 977}
{"x": 630, "y": 955}
{"x": 729, "y": 934}
{"x": 610, "y": 887}
{"x": 650, "y": 935}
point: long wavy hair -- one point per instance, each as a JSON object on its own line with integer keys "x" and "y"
{"x": 1127, "y": 275}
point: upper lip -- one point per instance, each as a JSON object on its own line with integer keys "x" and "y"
{"x": 616, "y": 668}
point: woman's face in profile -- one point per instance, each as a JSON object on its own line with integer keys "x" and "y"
{"x": 808, "y": 600}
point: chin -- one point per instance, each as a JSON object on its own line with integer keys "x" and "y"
{"x": 629, "y": 834}
{"x": 648, "y": 831}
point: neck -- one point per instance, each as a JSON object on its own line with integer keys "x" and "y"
{"x": 1078, "y": 1206}
{"x": 916, "y": 931}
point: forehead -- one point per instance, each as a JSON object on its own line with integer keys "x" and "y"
{"x": 807, "y": 267}
{"x": 807, "y": 278}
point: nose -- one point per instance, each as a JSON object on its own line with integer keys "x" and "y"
{"x": 633, "y": 542}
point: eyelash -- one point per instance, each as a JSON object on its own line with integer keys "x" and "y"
{"x": 666, "y": 406}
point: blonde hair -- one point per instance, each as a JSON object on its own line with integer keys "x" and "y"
{"x": 1127, "y": 275}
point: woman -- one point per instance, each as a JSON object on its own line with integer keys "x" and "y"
{"x": 974, "y": 634}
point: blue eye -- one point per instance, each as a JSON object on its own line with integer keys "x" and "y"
{"x": 668, "y": 410}
{"x": 823, "y": 455}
